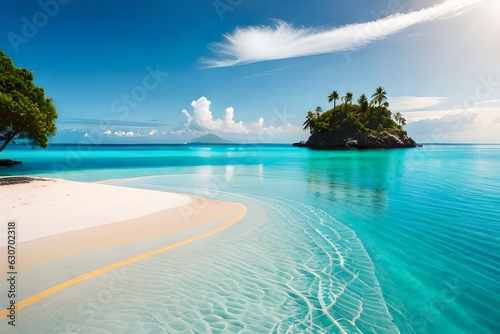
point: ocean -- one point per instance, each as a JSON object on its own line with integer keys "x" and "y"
{"x": 356, "y": 241}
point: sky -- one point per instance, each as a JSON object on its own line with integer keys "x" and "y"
{"x": 130, "y": 71}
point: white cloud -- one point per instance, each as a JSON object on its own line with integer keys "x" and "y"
{"x": 414, "y": 102}
{"x": 489, "y": 103}
{"x": 470, "y": 125}
{"x": 187, "y": 131}
{"x": 263, "y": 43}
{"x": 231, "y": 125}
{"x": 202, "y": 118}
{"x": 267, "y": 73}
{"x": 203, "y": 115}
{"x": 119, "y": 133}
{"x": 189, "y": 118}
{"x": 487, "y": 110}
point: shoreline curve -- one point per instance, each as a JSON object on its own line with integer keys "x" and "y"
{"x": 190, "y": 219}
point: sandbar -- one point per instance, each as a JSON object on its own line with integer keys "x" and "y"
{"x": 57, "y": 219}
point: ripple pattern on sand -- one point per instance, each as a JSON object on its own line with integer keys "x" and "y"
{"x": 299, "y": 272}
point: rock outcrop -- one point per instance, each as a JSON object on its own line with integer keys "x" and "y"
{"x": 331, "y": 140}
{"x": 8, "y": 163}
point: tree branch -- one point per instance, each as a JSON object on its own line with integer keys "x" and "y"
{"x": 8, "y": 138}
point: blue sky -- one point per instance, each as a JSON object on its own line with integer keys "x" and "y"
{"x": 168, "y": 71}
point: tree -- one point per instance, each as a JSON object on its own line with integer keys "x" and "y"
{"x": 356, "y": 118}
{"x": 25, "y": 112}
{"x": 334, "y": 96}
{"x": 397, "y": 117}
{"x": 319, "y": 110}
{"x": 400, "y": 119}
{"x": 348, "y": 97}
{"x": 309, "y": 123}
{"x": 347, "y": 101}
{"x": 363, "y": 103}
{"x": 379, "y": 96}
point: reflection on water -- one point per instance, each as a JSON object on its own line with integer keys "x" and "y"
{"x": 293, "y": 270}
{"x": 361, "y": 178}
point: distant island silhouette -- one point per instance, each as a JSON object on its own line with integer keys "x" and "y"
{"x": 209, "y": 139}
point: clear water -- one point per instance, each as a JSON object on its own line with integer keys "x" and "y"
{"x": 342, "y": 241}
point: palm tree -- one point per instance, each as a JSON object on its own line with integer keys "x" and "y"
{"x": 363, "y": 103}
{"x": 349, "y": 97}
{"x": 309, "y": 123}
{"x": 379, "y": 96}
{"x": 400, "y": 119}
{"x": 397, "y": 117}
{"x": 334, "y": 96}
{"x": 347, "y": 101}
{"x": 319, "y": 110}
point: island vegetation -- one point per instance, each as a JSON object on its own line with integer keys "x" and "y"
{"x": 365, "y": 124}
{"x": 26, "y": 115}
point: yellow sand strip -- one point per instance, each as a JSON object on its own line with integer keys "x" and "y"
{"x": 46, "y": 293}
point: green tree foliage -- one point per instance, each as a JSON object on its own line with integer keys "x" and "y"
{"x": 25, "y": 112}
{"x": 309, "y": 123}
{"x": 362, "y": 117}
{"x": 363, "y": 103}
{"x": 400, "y": 119}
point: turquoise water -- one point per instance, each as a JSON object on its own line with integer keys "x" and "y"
{"x": 342, "y": 241}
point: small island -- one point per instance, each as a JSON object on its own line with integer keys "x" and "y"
{"x": 368, "y": 124}
{"x": 209, "y": 139}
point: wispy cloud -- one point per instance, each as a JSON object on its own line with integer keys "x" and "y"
{"x": 414, "y": 102}
{"x": 267, "y": 73}
{"x": 263, "y": 43}
{"x": 474, "y": 125}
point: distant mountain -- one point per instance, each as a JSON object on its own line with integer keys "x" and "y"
{"x": 209, "y": 139}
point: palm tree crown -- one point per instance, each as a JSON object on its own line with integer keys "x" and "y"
{"x": 379, "y": 96}
{"x": 309, "y": 123}
{"x": 399, "y": 118}
{"x": 348, "y": 97}
{"x": 334, "y": 96}
{"x": 319, "y": 110}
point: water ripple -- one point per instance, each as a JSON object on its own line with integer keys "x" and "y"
{"x": 299, "y": 272}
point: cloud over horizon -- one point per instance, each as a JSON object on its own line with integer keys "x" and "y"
{"x": 264, "y": 43}
{"x": 414, "y": 102}
{"x": 477, "y": 124}
{"x": 202, "y": 119}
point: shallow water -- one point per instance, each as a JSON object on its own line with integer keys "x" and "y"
{"x": 354, "y": 241}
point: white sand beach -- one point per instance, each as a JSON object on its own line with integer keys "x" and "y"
{"x": 54, "y": 206}
{"x": 58, "y": 218}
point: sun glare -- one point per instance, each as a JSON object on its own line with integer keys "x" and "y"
{"x": 492, "y": 9}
